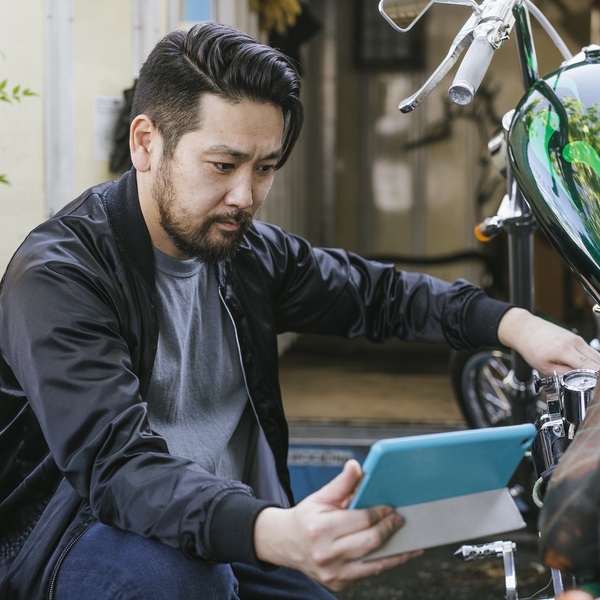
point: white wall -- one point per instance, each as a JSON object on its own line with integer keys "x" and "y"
{"x": 103, "y": 68}
{"x": 98, "y": 61}
{"x": 21, "y": 124}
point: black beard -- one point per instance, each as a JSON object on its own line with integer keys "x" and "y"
{"x": 199, "y": 246}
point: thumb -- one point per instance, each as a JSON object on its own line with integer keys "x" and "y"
{"x": 338, "y": 490}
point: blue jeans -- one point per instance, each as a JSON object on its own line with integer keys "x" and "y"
{"x": 109, "y": 564}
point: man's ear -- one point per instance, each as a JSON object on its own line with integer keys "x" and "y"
{"x": 143, "y": 142}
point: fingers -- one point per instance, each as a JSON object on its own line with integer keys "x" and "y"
{"x": 374, "y": 527}
{"x": 342, "y": 540}
{"x": 590, "y": 357}
{"x": 560, "y": 353}
{"x": 350, "y": 552}
{"x": 579, "y": 354}
{"x": 326, "y": 540}
{"x": 544, "y": 345}
{"x": 348, "y": 535}
{"x": 340, "y": 489}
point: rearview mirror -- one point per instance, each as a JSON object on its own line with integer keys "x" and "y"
{"x": 403, "y": 14}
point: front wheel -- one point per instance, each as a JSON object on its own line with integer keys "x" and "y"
{"x": 478, "y": 380}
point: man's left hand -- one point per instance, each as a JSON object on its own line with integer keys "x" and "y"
{"x": 544, "y": 345}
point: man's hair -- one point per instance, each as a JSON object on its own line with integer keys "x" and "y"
{"x": 215, "y": 59}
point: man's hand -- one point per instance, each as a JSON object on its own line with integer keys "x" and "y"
{"x": 545, "y": 346}
{"x": 323, "y": 539}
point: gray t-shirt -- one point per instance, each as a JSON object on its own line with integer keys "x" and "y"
{"x": 197, "y": 399}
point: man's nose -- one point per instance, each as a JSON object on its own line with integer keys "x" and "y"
{"x": 240, "y": 194}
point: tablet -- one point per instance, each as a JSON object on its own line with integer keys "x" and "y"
{"x": 449, "y": 487}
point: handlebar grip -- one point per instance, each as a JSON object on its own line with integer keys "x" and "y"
{"x": 471, "y": 71}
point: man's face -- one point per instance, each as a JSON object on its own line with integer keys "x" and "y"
{"x": 206, "y": 194}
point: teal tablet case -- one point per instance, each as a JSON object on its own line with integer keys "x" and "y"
{"x": 425, "y": 468}
{"x": 448, "y": 487}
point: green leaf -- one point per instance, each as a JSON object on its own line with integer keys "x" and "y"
{"x": 9, "y": 97}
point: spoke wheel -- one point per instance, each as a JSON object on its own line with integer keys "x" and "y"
{"x": 478, "y": 380}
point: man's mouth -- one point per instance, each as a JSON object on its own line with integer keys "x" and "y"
{"x": 229, "y": 225}
{"x": 233, "y": 222}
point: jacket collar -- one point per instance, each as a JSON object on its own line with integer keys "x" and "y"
{"x": 126, "y": 220}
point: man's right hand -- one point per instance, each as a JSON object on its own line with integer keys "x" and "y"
{"x": 324, "y": 540}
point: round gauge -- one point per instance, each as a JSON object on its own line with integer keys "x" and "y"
{"x": 580, "y": 380}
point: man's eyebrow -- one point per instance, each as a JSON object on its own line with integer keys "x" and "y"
{"x": 224, "y": 149}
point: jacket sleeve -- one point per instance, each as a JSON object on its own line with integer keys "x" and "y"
{"x": 62, "y": 325}
{"x": 332, "y": 291}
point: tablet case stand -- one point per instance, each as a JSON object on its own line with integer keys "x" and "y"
{"x": 449, "y": 487}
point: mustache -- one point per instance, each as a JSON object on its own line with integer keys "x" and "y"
{"x": 239, "y": 217}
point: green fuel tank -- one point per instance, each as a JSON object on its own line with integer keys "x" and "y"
{"x": 554, "y": 153}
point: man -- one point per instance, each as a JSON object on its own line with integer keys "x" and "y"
{"x": 143, "y": 438}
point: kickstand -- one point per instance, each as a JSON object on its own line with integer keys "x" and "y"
{"x": 506, "y": 550}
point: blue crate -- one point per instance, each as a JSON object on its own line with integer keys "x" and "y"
{"x": 313, "y": 465}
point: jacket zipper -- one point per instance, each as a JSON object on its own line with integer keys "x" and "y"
{"x": 239, "y": 349}
{"x": 61, "y": 559}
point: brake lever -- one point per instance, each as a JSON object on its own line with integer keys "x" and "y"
{"x": 462, "y": 40}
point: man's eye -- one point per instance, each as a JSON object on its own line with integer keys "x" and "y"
{"x": 224, "y": 166}
{"x": 266, "y": 168}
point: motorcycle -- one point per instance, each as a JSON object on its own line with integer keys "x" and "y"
{"x": 491, "y": 386}
{"x": 551, "y": 145}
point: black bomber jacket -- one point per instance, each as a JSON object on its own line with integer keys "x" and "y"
{"x": 78, "y": 335}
